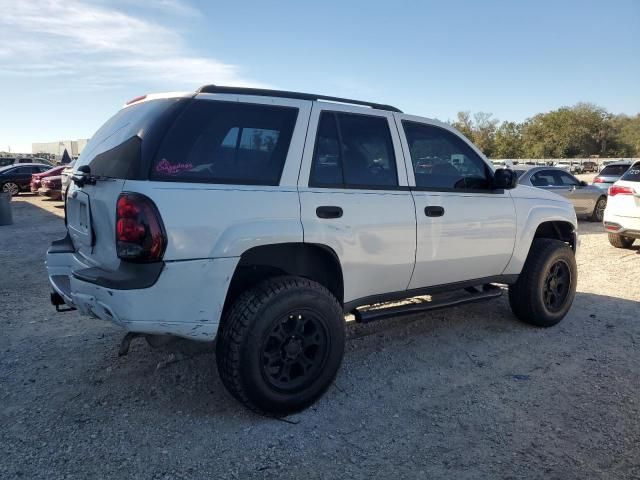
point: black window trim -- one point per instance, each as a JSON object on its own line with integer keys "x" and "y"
{"x": 350, "y": 186}
{"x": 228, "y": 181}
{"x": 488, "y": 170}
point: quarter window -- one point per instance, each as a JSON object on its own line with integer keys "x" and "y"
{"x": 442, "y": 160}
{"x": 353, "y": 151}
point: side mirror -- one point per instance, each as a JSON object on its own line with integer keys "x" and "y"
{"x": 505, "y": 178}
{"x": 583, "y": 183}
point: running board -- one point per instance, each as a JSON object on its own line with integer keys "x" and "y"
{"x": 468, "y": 295}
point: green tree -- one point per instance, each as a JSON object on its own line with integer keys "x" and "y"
{"x": 626, "y": 139}
{"x": 508, "y": 141}
{"x": 582, "y": 130}
{"x": 480, "y": 129}
{"x": 464, "y": 124}
{"x": 579, "y": 131}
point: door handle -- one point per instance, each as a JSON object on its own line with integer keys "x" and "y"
{"x": 329, "y": 212}
{"x": 433, "y": 211}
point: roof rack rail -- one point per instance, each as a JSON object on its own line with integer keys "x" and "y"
{"x": 262, "y": 92}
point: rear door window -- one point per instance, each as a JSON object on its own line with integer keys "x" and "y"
{"x": 226, "y": 142}
{"x": 545, "y": 178}
{"x": 353, "y": 151}
{"x": 633, "y": 174}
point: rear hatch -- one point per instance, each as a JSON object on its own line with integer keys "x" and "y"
{"x": 120, "y": 150}
{"x": 624, "y": 195}
{"x": 609, "y": 175}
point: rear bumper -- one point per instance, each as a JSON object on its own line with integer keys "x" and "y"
{"x": 50, "y": 192}
{"x": 186, "y": 299}
{"x": 627, "y": 226}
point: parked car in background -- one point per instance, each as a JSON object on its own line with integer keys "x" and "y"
{"x": 610, "y": 174}
{"x": 569, "y": 166}
{"x": 16, "y": 178}
{"x": 66, "y": 177}
{"x": 51, "y": 187}
{"x": 589, "y": 167}
{"x": 622, "y": 215}
{"x": 36, "y": 178}
{"x": 6, "y": 161}
{"x": 587, "y": 200}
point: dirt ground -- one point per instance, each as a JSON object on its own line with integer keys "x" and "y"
{"x": 464, "y": 393}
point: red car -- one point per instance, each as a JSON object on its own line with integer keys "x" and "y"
{"x": 36, "y": 178}
{"x": 51, "y": 187}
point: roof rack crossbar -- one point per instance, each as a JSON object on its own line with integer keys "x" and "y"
{"x": 297, "y": 95}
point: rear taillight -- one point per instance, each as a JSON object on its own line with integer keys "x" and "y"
{"x": 140, "y": 235}
{"x": 598, "y": 180}
{"x": 620, "y": 190}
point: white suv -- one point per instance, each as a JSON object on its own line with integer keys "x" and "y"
{"x": 622, "y": 215}
{"x": 260, "y": 217}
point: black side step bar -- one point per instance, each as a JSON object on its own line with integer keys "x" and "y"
{"x": 468, "y": 295}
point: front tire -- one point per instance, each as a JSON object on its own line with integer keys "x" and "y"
{"x": 620, "y": 241}
{"x": 281, "y": 344}
{"x": 598, "y": 210}
{"x": 11, "y": 188}
{"x": 546, "y": 287}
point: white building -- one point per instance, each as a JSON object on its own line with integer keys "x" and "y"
{"x": 73, "y": 147}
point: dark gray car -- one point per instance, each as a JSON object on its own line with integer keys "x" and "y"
{"x": 587, "y": 200}
{"x": 610, "y": 174}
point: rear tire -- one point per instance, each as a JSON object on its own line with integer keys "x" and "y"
{"x": 598, "y": 210}
{"x": 281, "y": 344}
{"x": 620, "y": 241}
{"x": 546, "y": 287}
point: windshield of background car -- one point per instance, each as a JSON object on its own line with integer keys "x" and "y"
{"x": 613, "y": 170}
{"x": 633, "y": 174}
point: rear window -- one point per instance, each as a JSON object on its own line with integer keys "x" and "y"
{"x": 225, "y": 142}
{"x": 613, "y": 170}
{"x": 633, "y": 174}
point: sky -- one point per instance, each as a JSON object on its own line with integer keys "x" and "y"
{"x": 66, "y": 66}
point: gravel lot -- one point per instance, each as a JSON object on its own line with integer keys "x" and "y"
{"x": 463, "y": 393}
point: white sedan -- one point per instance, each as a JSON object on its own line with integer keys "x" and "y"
{"x": 622, "y": 215}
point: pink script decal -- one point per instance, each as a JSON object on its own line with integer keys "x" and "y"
{"x": 165, "y": 167}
